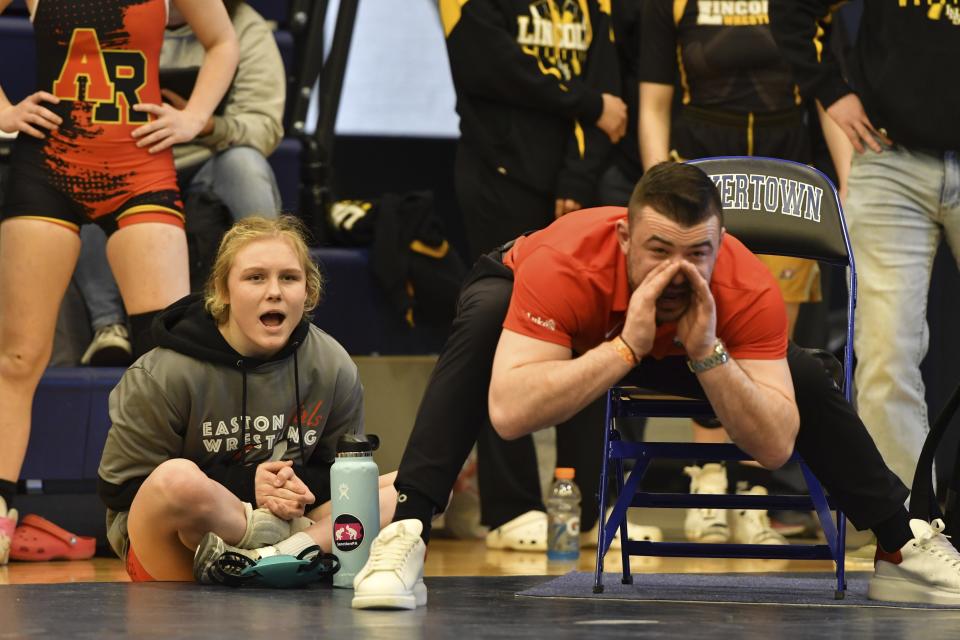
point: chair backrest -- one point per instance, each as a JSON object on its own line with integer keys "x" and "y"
{"x": 780, "y": 207}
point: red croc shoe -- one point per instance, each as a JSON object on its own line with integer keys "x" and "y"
{"x": 38, "y": 540}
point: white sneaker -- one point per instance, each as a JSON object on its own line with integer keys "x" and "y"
{"x": 8, "y": 524}
{"x": 925, "y": 570}
{"x": 393, "y": 575}
{"x": 635, "y": 531}
{"x": 707, "y": 525}
{"x": 752, "y": 526}
{"x": 110, "y": 347}
{"x": 526, "y": 532}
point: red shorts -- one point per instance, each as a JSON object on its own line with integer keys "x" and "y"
{"x": 135, "y": 570}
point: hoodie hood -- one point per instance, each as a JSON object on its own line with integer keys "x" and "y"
{"x": 187, "y": 328}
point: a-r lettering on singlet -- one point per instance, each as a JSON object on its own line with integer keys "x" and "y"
{"x": 111, "y": 78}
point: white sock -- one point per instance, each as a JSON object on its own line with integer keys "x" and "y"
{"x": 292, "y": 546}
{"x": 263, "y": 528}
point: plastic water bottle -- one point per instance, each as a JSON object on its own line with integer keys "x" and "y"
{"x": 355, "y": 497}
{"x": 563, "y": 516}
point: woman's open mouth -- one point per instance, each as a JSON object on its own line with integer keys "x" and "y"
{"x": 273, "y": 319}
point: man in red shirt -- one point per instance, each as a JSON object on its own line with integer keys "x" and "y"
{"x": 660, "y": 292}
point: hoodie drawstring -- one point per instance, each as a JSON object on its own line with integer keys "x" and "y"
{"x": 299, "y": 411}
{"x": 243, "y": 411}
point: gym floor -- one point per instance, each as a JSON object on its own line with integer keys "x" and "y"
{"x": 472, "y": 594}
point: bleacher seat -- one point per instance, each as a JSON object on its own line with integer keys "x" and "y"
{"x": 355, "y": 311}
{"x": 272, "y": 10}
{"x": 286, "y": 166}
{"x": 16, "y": 43}
{"x": 70, "y": 423}
{"x": 285, "y": 44}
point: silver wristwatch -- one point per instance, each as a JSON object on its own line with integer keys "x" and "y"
{"x": 715, "y": 359}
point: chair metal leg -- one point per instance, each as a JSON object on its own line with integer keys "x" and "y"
{"x": 618, "y": 516}
{"x": 624, "y": 554}
{"x": 835, "y": 533}
{"x": 603, "y": 542}
{"x": 841, "y": 556}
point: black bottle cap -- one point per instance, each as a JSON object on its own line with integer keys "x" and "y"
{"x": 358, "y": 443}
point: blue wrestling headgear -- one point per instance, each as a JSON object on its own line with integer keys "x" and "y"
{"x": 281, "y": 571}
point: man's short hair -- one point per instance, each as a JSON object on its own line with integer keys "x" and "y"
{"x": 681, "y": 192}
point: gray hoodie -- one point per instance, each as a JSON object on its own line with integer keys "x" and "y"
{"x": 194, "y": 397}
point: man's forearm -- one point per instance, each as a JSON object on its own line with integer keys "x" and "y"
{"x": 654, "y": 125}
{"x": 540, "y": 394}
{"x": 759, "y": 419}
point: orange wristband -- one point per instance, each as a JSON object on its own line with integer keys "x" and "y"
{"x": 624, "y": 351}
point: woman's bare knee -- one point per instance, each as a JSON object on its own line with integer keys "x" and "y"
{"x": 24, "y": 363}
{"x": 178, "y": 487}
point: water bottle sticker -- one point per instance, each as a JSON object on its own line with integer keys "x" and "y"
{"x": 347, "y": 532}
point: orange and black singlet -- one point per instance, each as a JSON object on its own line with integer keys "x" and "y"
{"x": 100, "y": 57}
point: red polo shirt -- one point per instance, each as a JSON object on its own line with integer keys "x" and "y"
{"x": 570, "y": 288}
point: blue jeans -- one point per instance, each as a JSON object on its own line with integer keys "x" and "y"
{"x": 240, "y": 177}
{"x": 95, "y": 280}
{"x": 900, "y": 203}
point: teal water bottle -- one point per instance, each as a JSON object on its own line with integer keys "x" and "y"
{"x": 355, "y": 498}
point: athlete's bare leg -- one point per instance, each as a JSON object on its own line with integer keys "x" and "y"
{"x": 176, "y": 505}
{"x": 37, "y": 258}
{"x": 149, "y": 261}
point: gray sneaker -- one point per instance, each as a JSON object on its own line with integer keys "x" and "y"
{"x": 216, "y": 562}
{"x": 110, "y": 347}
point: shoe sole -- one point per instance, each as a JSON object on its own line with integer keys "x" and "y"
{"x": 407, "y": 601}
{"x": 890, "y": 589}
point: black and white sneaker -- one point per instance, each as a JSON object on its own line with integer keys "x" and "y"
{"x": 216, "y": 562}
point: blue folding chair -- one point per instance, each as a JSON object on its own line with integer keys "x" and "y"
{"x": 774, "y": 207}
